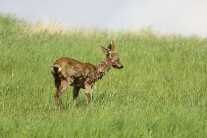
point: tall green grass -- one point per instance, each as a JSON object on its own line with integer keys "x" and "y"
{"x": 161, "y": 92}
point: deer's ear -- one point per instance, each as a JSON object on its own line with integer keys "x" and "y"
{"x": 105, "y": 51}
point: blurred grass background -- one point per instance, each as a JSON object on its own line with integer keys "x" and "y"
{"x": 161, "y": 92}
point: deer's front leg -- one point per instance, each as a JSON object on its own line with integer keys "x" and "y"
{"x": 88, "y": 89}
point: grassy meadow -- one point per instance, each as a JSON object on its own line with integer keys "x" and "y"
{"x": 161, "y": 91}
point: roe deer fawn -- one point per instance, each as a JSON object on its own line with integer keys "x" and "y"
{"x": 69, "y": 72}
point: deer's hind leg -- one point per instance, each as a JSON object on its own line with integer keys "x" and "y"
{"x": 88, "y": 89}
{"x": 63, "y": 86}
{"x": 75, "y": 95}
{"x": 57, "y": 81}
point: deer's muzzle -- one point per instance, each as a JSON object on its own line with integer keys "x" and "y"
{"x": 118, "y": 66}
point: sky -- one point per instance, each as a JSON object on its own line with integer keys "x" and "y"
{"x": 185, "y": 17}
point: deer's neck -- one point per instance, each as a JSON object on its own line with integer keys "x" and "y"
{"x": 103, "y": 67}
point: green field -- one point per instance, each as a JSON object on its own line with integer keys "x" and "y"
{"x": 161, "y": 92}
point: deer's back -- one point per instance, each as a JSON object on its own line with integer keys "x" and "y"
{"x": 76, "y": 69}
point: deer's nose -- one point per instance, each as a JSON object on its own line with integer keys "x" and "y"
{"x": 121, "y": 66}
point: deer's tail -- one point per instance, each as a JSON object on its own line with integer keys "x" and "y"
{"x": 55, "y": 69}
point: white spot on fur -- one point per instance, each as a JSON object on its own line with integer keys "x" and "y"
{"x": 59, "y": 69}
{"x": 53, "y": 70}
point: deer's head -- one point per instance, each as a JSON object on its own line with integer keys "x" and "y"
{"x": 111, "y": 54}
